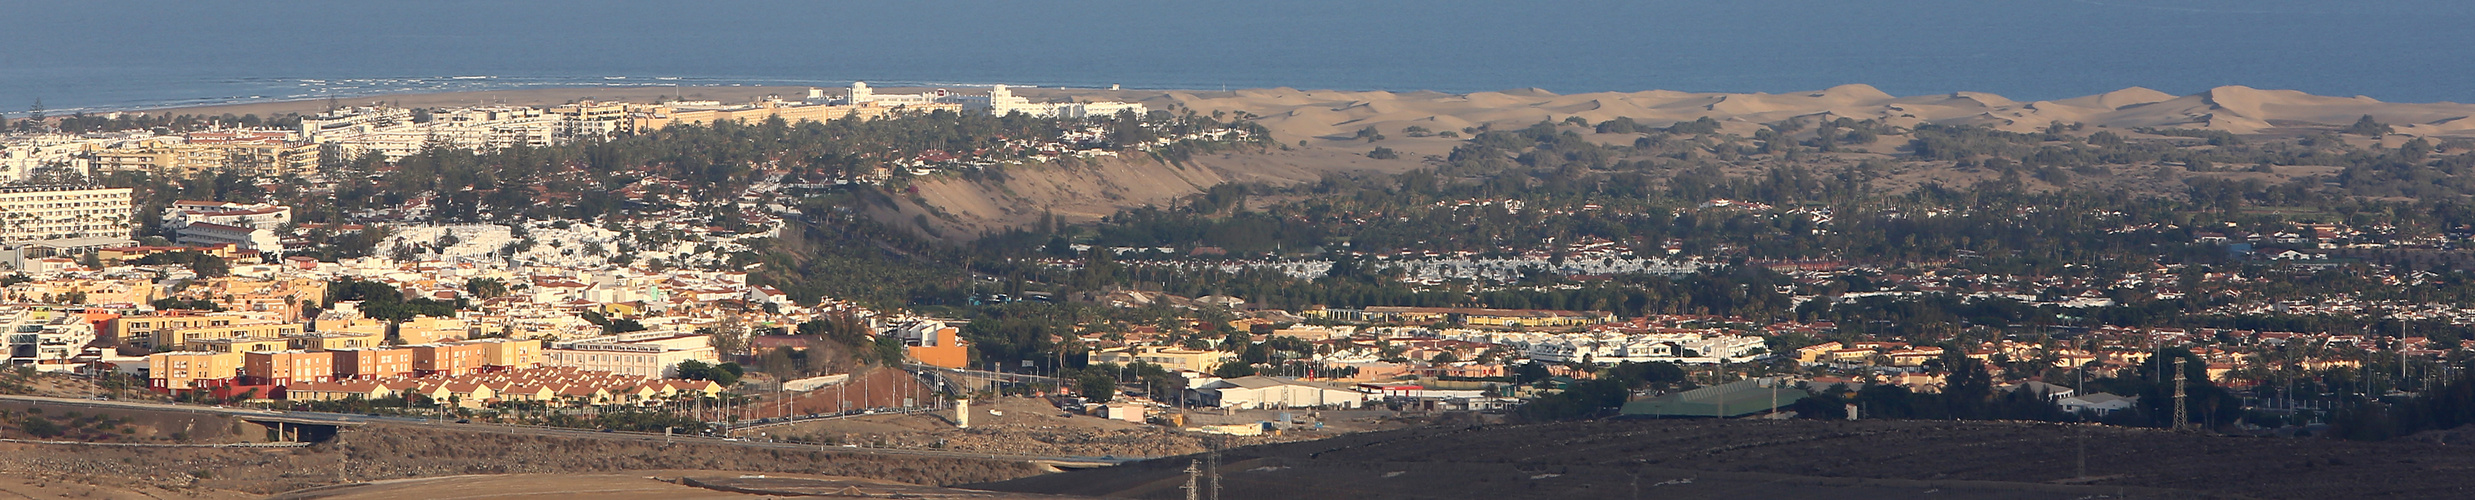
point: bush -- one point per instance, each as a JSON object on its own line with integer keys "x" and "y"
{"x": 41, "y": 427}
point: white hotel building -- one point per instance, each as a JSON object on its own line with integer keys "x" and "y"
{"x": 50, "y": 221}
{"x": 31, "y": 213}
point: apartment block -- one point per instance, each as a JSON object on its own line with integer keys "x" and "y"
{"x": 367, "y": 364}
{"x": 37, "y": 213}
{"x": 181, "y": 371}
{"x": 446, "y": 359}
{"x": 508, "y": 353}
{"x": 234, "y": 330}
{"x": 330, "y": 341}
{"x": 284, "y": 368}
{"x": 237, "y": 344}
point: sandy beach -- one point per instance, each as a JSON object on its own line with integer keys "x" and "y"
{"x": 514, "y": 97}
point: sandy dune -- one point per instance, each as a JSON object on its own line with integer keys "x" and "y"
{"x": 1312, "y": 114}
{"x": 1295, "y": 114}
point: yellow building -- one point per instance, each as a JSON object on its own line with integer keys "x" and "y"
{"x": 84, "y": 292}
{"x": 505, "y": 353}
{"x": 235, "y": 330}
{"x": 284, "y": 296}
{"x": 121, "y": 255}
{"x": 180, "y": 371}
{"x": 328, "y": 341}
{"x": 265, "y": 157}
{"x": 145, "y": 329}
{"x": 425, "y": 329}
{"x": 237, "y": 345}
{"x": 1167, "y": 357}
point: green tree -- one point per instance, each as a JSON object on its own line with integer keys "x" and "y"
{"x": 888, "y": 350}
{"x": 2369, "y": 127}
{"x": 486, "y": 288}
{"x": 1096, "y": 386}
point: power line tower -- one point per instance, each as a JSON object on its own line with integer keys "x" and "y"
{"x": 2180, "y": 415}
{"x": 1194, "y": 479}
{"x": 1211, "y": 471}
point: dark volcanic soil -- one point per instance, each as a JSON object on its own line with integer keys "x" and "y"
{"x": 1797, "y": 459}
{"x": 381, "y": 452}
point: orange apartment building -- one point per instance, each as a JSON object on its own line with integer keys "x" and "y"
{"x": 447, "y": 359}
{"x": 370, "y": 364}
{"x": 236, "y": 345}
{"x": 284, "y": 368}
{"x": 181, "y": 371}
{"x": 933, "y": 343}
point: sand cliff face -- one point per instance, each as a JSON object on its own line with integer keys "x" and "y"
{"x": 1307, "y": 114}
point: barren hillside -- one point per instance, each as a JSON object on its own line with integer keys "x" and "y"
{"x": 1796, "y": 459}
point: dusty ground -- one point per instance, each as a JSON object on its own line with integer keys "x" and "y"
{"x": 382, "y": 452}
{"x": 634, "y": 485}
{"x": 1798, "y": 459}
{"x": 122, "y": 426}
{"x": 1015, "y": 426}
{"x": 51, "y": 489}
{"x": 61, "y": 385}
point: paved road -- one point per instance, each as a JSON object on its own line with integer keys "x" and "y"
{"x": 1009, "y": 377}
{"x": 556, "y": 431}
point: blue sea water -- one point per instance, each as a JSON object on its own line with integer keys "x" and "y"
{"x": 135, "y": 54}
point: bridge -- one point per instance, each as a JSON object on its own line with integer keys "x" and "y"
{"x": 286, "y": 426}
{"x": 300, "y": 430}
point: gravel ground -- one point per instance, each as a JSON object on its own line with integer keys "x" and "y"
{"x": 1799, "y": 459}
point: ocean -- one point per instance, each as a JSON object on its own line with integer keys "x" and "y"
{"x": 89, "y": 55}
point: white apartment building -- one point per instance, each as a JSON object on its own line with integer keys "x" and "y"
{"x": 1002, "y": 102}
{"x": 35, "y": 213}
{"x": 999, "y": 101}
{"x": 211, "y": 234}
{"x": 43, "y": 335}
{"x": 21, "y": 156}
{"x": 249, "y": 215}
{"x": 1672, "y": 347}
{"x": 392, "y": 132}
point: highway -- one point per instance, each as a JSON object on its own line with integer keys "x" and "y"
{"x": 356, "y": 420}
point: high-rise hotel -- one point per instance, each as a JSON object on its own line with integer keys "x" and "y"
{"x": 63, "y": 218}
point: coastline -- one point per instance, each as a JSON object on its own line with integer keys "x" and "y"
{"x": 551, "y": 96}
{"x": 535, "y": 97}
